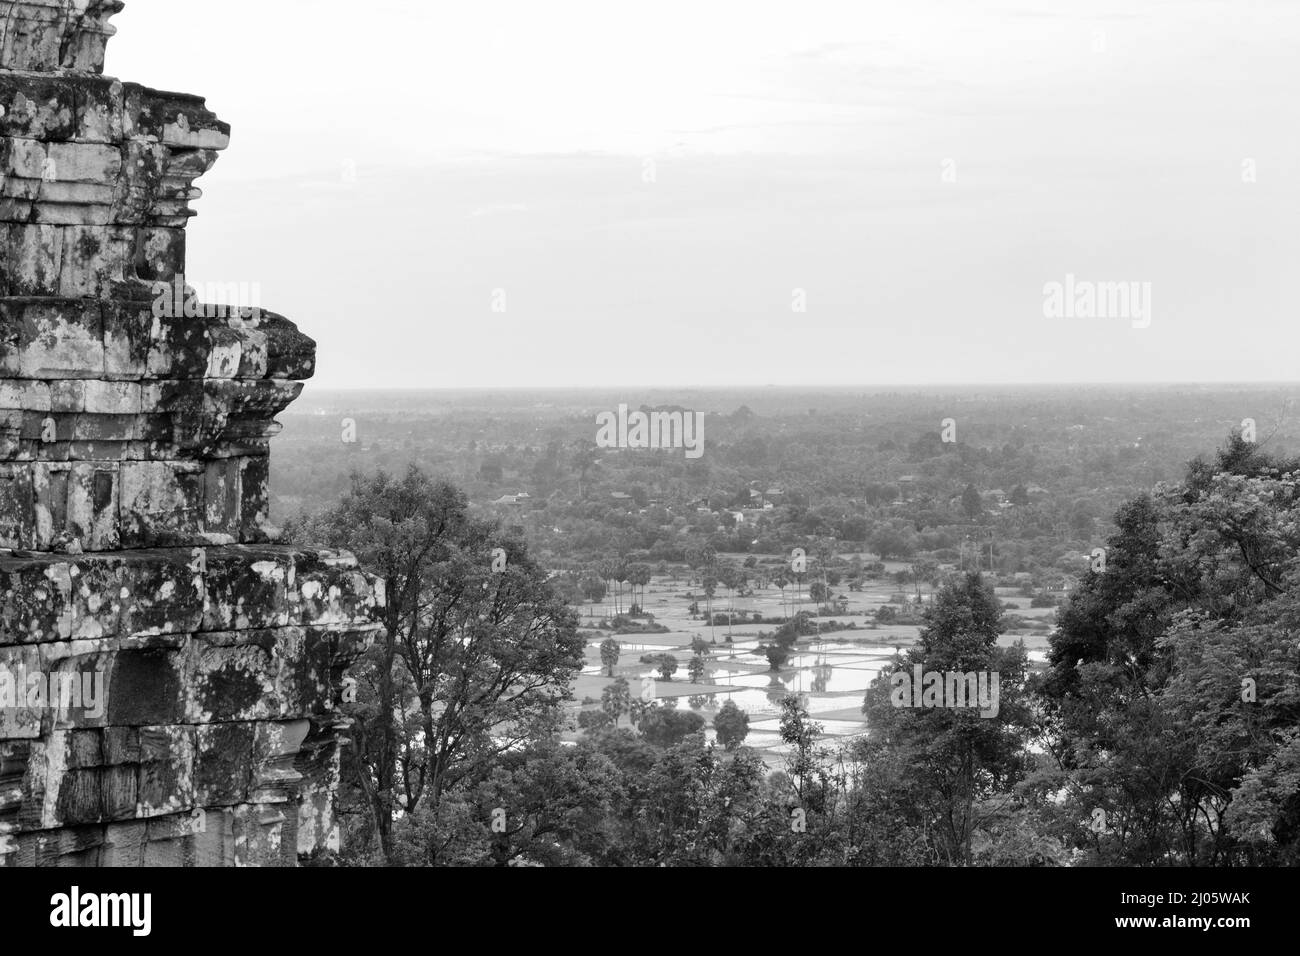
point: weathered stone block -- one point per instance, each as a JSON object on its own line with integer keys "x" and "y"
{"x": 330, "y": 590}
{"x": 40, "y": 108}
{"x": 19, "y": 719}
{"x": 248, "y": 588}
{"x": 58, "y": 34}
{"x": 223, "y": 766}
{"x": 232, "y": 677}
{"x": 276, "y": 746}
{"x": 58, "y": 339}
{"x": 145, "y": 688}
{"x": 138, "y": 594}
{"x": 35, "y": 599}
{"x": 161, "y": 503}
{"x": 166, "y": 774}
{"x": 17, "y": 507}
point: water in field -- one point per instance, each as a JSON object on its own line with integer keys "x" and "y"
{"x": 829, "y": 672}
{"x": 830, "y": 677}
{"x": 831, "y": 728}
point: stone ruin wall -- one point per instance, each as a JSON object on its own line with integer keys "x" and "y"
{"x": 135, "y": 547}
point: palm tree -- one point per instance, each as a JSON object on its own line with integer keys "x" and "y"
{"x": 710, "y": 582}
{"x": 639, "y": 575}
{"x": 781, "y": 581}
{"x": 607, "y": 568}
{"x": 623, "y": 573}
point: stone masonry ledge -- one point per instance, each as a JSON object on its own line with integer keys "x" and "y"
{"x": 248, "y": 835}
{"x": 85, "y": 109}
{"x": 52, "y": 339}
{"x": 191, "y": 397}
{"x": 195, "y": 681}
{"x": 93, "y": 506}
{"x": 186, "y": 786}
{"x": 91, "y": 151}
{"x": 96, "y": 440}
{"x": 51, "y": 598}
{"x": 190, "y": 419}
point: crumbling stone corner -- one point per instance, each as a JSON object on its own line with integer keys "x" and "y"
{"x": 170, "y": 673}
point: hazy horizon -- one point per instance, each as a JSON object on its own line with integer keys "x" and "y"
{"x": 312, "y": 389}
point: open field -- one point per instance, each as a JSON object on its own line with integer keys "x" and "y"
{"x": 831, "y": 672}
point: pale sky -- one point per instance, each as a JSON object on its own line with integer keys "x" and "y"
{"x": 655, "y": 186}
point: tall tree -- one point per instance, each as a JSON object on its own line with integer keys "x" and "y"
{"x": 1171, "y": 697}
{"x": 639, "y": 575}
{"x": 957, "y": 762}
{"x": 609, "y": 654}
{"x": 616, "y": 699}
{"x": 731, "y": 724}
{"x": 695, "y": 668}
{"x": 475, "y": 661}
{"x": 400, "y": 529}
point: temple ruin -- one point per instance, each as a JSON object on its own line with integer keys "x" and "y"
{"x": 170, "y": 673}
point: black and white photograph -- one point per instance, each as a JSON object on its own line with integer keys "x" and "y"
{"x": 842, "y": 435}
